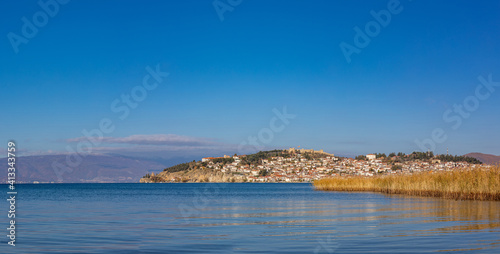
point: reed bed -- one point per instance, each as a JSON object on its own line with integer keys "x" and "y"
{"x": 481, "y": 183}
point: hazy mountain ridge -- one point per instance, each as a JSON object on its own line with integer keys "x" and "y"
{"x": 485, "y": 158}
{"x": 93, "y": 168}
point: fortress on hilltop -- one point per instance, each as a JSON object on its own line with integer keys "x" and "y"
{"x": 294, "y": 150}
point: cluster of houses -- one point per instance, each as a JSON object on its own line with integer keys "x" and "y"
{"x": 297, "y": 168}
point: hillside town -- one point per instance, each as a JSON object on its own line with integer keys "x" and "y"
{"x": 302, "y": 165}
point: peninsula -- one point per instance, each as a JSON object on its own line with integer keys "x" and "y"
{"x": 305, "y": 165}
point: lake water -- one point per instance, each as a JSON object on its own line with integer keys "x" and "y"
{"x": 243, "y": 218}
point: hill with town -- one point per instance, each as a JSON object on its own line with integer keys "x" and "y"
{"x": 304, "y": 165}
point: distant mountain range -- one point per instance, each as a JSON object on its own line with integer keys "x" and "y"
{"x": 485, "y": 158}
{"x": 93, "y": 168}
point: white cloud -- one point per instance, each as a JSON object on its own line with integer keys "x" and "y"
{"x": 162, "y": 144}
{"x": 156, "y": 139}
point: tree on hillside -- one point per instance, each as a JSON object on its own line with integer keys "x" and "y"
{"x": 361, "y": 158}
{"x": 396, "y": 167}
{"x": 263, "y": 172}
{"x": 456, "y": 158}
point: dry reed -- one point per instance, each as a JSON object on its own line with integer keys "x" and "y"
{"x": 481, "y": 183}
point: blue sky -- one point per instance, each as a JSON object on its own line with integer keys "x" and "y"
{"x": 227, "y": 76}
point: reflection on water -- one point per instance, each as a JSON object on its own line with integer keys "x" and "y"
{"x": 246, "y": 218}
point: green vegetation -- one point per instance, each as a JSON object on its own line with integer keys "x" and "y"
{"x": 263, "y": 172}
{"x": 223, "y": 160}
{"x": 249, "y": 159}
{"x": 196, "y": 165}
{"x": 456, "y": 158}
{"x": 256, "y": 158}
{"x": 428, "y": 156}
{"x": 180, "y": 167}
{"x": 473, "y": 184}
{"x": 311, "y": 156}
{"x": 396, "y": 167}
{"x": 361, "y": 158}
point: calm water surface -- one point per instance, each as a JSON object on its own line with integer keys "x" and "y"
{"x": 243, "y": 218}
